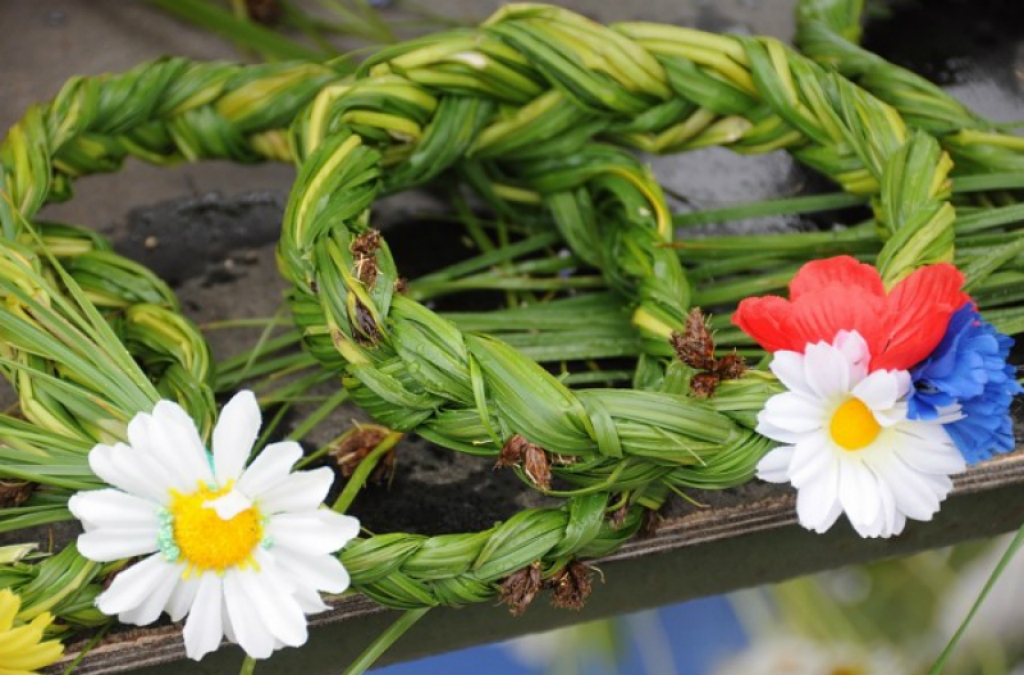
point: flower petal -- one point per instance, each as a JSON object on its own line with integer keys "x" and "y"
{"x": 813, "y": 456}
{"x": 113, "y": 508}
{"x": 827, "y": 372}
{"x": 271, "y": 466}
{"x": 235, "y": 434}
{"x": 246, "y": 621}
{"x": 303, "y": 491}
{"x": 858, "y": 492}
{"x": 774, "y": 467}
{"x": 153, "y": 605}
{"x": 881, "y": 389}
{"x": 321, "y": 572}
{"x": 180, "y": 602}
{"x": 272, "y": 598}
{"x": 135, "y": 584}
{"x": 927, "y": 455}
{"x": 108, "y": 544}
{"x": 767, "y": 320}
{"x": 789, "y": 368}
{"x": 204, "y": 629}
{"x": 842, "y": 270}
{"x": 817, "y": 502}
{"x": 171, "y": 437}
{"x": 790, "y": 412}
{"x": 820, "y": 315}
{"x": 919, "y": 309}
{"x": 136, "y": 473}
{"x": 230, "y": 505}
{"x": 312, "y": 532}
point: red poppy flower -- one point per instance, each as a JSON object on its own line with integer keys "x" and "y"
{"x": 901, "y": 328}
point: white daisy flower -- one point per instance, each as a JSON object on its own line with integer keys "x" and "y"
{"x": 244, "y": 552}
{"x": 849, "y": 446}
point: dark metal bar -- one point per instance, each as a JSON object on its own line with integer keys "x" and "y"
{"x": 753, "y": 540}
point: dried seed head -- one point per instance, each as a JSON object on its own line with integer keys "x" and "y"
{"x": 537, "y": 467}
{"x": 364, "y": 248}
{"x": 366, "y": 244}
{"x": 512, "y": 453}
{"x": 731, "y": 367}
{"x": 14, "y": 493}
{"x": 534, "y": 460}
{"x": 366, "y": 330}
{"x": 571, "y": 587}
{"x": 695, "y": 347}
{"x": 703, "y": 385}
{"x": 520, "y": 588}
{"x": 354, "y": 448}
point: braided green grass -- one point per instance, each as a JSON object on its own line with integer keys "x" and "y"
{"x": 828, "y": 32}
{"x": 515, "y": 107}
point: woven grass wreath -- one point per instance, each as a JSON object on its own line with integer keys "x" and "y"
{"x": 885, "y": 379}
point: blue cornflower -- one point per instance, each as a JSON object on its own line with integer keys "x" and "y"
{"x": 969, "y": 369}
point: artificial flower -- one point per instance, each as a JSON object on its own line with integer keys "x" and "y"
{"x": 901, "y": 327}
{"x": 22, "y": 648}
{"x": 968, "y": 370}
{"x": 244, "y": 552}
{"x": 847, "y": 443}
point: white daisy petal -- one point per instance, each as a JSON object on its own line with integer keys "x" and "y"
{"x": 313, "y": 532}
{"x": 204, "y": 630}
{"x": 858, "y": 491}
{"x": 789, "y": 368}
{"x": 270, "y": 467}
{"x": 134, "y": 472}
{"x": 250, "y": 632}
{"x": 153, "y": 605}
{"x": 170, "y": 438}
{"x": 817, "y": 503}
{"x": 827, "y": 372}
{"x": 881, "y": 389}
{"x": 812, "y": 457}
{"x": 235, "y": 434}
{"x": 299, "y": 492}
{"x": 113, "y": 508}
{"x": 109, "y": 544}
{"x": 774, "y": 467}
{"x": 180, "y": 439}
{"x": 792, "y": 413}
{"x": 310, "y": 601}
{"x": 230, "y": 505}
{"x": 274, "y": 602}
{"x": 915, "y": 496}
{"x": 133, "y": 585}
{"x": 855, "y": 353}
{"x": 322, "y": 572}
{"x": 183, "y": 597}
{"x": 935, "y": 458}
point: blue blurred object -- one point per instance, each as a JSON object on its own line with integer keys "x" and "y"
{"x": 698, "y": 634}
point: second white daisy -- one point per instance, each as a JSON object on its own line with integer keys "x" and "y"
{"x": 848, "y": 445}
{"x": 244, "y": 552}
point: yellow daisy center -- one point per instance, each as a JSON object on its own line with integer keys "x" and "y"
{"x": 853, "y": 425}
{"x": 205, "y": 540}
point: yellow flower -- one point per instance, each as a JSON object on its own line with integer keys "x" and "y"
{"x": 22, "y": 650}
